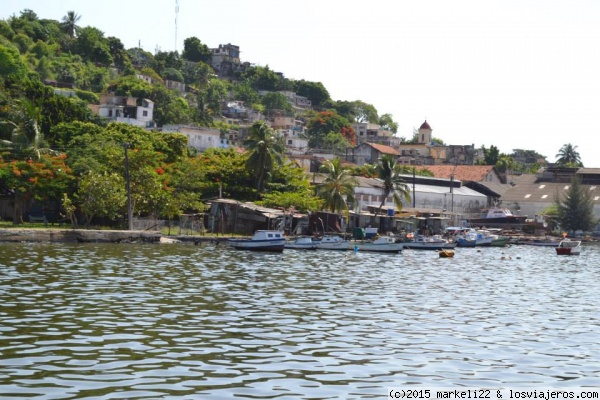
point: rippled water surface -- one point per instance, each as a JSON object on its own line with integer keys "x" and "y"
{"x": 187, "y": 322}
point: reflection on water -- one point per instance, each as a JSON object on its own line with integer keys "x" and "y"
{"x": 183, "y": 321}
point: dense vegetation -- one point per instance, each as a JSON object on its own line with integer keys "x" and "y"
{"x": 55, "y": 150}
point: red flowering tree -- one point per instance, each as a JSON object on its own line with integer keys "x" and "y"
{"x": 325, "y": 126}
{"x": 44, "y": 179}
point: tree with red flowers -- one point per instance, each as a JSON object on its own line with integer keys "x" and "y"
{"x": 44, "y": 179}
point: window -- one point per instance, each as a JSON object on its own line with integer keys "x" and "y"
{"x": 566, "y": 187}
{"x": 542, "y": 186}
{"x": 596, "y": 198}
{"x": 544, "y": 196}
{"x": 527, "y": 196}
{"x": 110, "y": 113}
{"x": 289, "y": 142}
{"x": 145, "y": 113}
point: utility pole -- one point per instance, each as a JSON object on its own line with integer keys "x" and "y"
{"x": 128, "y": 187}
{"x": 414, "y": 192}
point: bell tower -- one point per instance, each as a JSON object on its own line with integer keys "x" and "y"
{"x": 424, "y": 133}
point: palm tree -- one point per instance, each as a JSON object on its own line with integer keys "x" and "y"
{"x": 26, "y": 135}
{"x": 70, "y": 23}
{"x": 338, "y": 187}
{"x": 392, "y": 182}
{"x": 266, "y": 152}
{"x": 569, "y": 156}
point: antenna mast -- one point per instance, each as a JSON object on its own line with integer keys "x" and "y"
{"x": 176, "y": 15}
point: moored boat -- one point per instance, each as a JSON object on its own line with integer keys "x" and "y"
{"x": 497, "y": 217}
{"x": 262, "y": 240}
{"x": 301, "y": 243}
{"x": 435, "y": 242}
{"x": 332, "y": 242}
{"x": 381, "y": 244}
{"x": 569, "y": 247}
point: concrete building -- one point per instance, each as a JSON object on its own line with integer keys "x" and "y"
{"x": 129, "y": 110}
{"x": 199, "y": 137}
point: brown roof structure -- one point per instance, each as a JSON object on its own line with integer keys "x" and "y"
{"x": 384, "y": 149}
{"x": 425, "y": 125}
{"x": 465, "y": 173}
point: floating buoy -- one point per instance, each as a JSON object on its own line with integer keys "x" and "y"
{"x": 446, "y": 253}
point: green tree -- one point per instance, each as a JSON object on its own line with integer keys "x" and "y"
{"x": 314, "y": 91}
{"x": 244, "y": 92}
{"x": 92, "y": 46}
{"x": 568, "y": 156}
{"x": 386, "y": 122}
{"x": 224, "y": 173}
{"x": 101, "y": 194}
{"x": 265, "y": 153}
{"x": 506, "y": 163}
{"x": 209, "y": 99}
{"x": 12, "y": 68}
{"x": 276, "y": 101}
{"x": 194, "y": 50}
{"x": 262, "y": 78}
{"x": 337, "y": 190}
{"x": 392, "y": 182}
{"x": 576, "y": 208}
{"x": 491, "y": 156}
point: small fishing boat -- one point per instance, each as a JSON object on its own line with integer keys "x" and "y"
{"x": 332, "y": 242}
{"x": 381, "y": 244}
{"x": 435, "y": 242}
{"x": 498, "y": 217}
{"x": 262, "y": 240}
{"x": 301, "y": 243}
{"x": 569, "y": 247}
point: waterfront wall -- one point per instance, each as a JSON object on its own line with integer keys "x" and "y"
{"x": 78, "y": 235}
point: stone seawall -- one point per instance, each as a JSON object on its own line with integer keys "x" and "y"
{"x": 78, "y": 235}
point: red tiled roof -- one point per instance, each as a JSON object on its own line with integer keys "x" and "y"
{"x": 384, "y": 149}
{"x": 465, "y": 173}
{"x": 425, "y": 125}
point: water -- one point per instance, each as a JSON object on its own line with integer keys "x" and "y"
{"x": 123, "y": 321}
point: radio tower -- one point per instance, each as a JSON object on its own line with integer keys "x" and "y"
{"x": 176, "y": 15}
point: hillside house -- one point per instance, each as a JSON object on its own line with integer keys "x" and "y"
{"x": 128, "y": 110}
{"x": 199, "y": 137}
{"x": 373, "y": 133}
{"x": 370, "y": 153}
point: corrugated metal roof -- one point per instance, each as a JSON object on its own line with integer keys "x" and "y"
{"x": 528, "y": 190}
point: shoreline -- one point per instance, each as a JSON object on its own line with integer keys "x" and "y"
{"x": 60, "y": 235}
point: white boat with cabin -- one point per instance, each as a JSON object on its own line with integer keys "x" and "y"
{"x": 381, "y": 244}
{"x": 301, "y": 243}
{"x": 435, "y": 242}
{"x": 332, "y": 242}
{"x": 262, "y": 240}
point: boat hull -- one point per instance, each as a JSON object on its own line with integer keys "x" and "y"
{"x": 378, "y": 248}
{"x": 258, "y": 245}
{"x": 568, "y": 248}
{"x": 301, "y": 244}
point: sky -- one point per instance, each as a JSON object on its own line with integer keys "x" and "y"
{"x": 515, "y": 74}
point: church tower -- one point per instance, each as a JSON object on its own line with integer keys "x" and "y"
{"x": 424, "y": 134}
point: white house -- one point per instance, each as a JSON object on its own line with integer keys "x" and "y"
{"x": 129, "y": 110}
{"x": 200, "y": 138}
